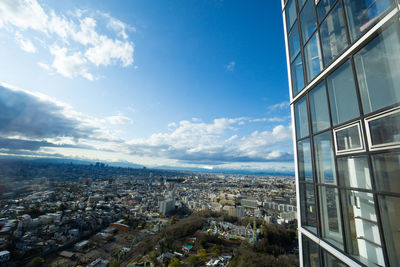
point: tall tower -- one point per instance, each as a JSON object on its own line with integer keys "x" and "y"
{"x": 343, "y": 59}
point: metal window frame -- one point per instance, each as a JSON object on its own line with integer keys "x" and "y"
{"x": 360, "y": 136}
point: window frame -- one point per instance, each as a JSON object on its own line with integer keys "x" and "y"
{"x": 360, "y": 136}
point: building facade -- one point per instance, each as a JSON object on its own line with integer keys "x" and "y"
{"x": 343, "y": 60}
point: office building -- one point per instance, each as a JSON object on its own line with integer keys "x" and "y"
{"x": 343, "y": 60}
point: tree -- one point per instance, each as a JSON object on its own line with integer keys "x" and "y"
{"x": 202, "y": 253}
{"x": 193, "y": 260}
{"x": 37, "y": 262}
{"x": 174, "y": 263}
{"x": 216, "y": 249}
{"x": 114, "y": 263}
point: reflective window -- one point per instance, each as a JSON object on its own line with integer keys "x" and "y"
{"x": 304, "y": 160}
{"x": 294, "y": 42}
{"x": 361, "y": 227}
{"x": 307, "y": 206}
{"x": 324, "y": 161}
{"x": 342, "y": 94}
{"x": 310, "y": 252}
{"x": 297, "y": 75}
{"x": 312, "y": 53}
{"x": 362, "y": 13}
{"x": 390, "y": 210}
{"x": 385, "y": 130}
{"x": 354, "y": 172}
{"x": 333, "y": 34}
{"x": 319, "y": 108}
{"x": 331, "y": 261}
{"x": 308, "y": 20}
{"x": 323, "y": 8}
{"x": 301, "y": 3}
{"x": 386, "y": 169}
{"x": 348, "y": 139}
{"x": 378, "y": 65}
{"x": 330, "y": 215}
{"x": 291, "y": 13}
{"x": 300, "y": 109}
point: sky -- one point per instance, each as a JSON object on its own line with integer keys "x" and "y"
{"x": 183, "y": 84}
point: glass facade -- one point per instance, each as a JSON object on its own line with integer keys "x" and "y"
{"x": 345, "y": 67}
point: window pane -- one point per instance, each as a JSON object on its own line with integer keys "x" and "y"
{"x": 378, "y": 65}
{"x": 308, "y": 20}
{"x": 291, "y": 13}
{"x": 310, "y": 252}
{"x": 323, "y": 8}
{"x": 324, "y": 161}
{"x": 333, "y": 34}
{"x": 304, "y": 160}
{"x": 294, "y": 42}
{"x": 301, "y": 3}
{"x": 354, "y": 172}
{"x": 348, "y": 138}
{"x": 300, "y": 109}
{"x": 385, "y": 130}
{"x": 342, "y": 94}
{"x": 361, "y": 227}
{"x": 330, "y": 215}
{"x": 312, "y": 53}
{"x": 319, "y": 108}
{"x": 297, "y": 75}
{"x": 330, "y": 260}
{"x": 307, "y": 206}
{"x": 362, "y": 13}
{"x": 386, "y": 171}
{"x": 390, "y": 210}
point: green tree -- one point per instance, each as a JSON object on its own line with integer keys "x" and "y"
{"x": 174, "y": 263}
{"x": 193, "y": 260}
{"x": 37, "y": 262}
{"x": 216, "y": 249}
{"x": 202, "y": 253}
{"x": 114, "y": 263}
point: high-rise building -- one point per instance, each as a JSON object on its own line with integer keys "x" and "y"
{"x": 343, "y": 60}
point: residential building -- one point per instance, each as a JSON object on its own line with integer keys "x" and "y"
{"x": 343, "y": 60}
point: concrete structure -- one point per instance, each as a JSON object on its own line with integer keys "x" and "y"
{"x": 343, "y": 62}
{"x": 167, "y": 206}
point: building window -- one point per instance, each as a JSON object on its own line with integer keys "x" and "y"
{"x": 323, "y": 8}
{"x": 294, "y": 42}
{"x": 304, "y": 160}
{"x": 390, "y": 210}
{"x": 300, "y": 109}
{"x": 319, "y": 109}
{"x": 354, "y": 172}
{"x": 333, "y": 34}
{"x": 310, "y": 252}
{"x": 297, "y": 75}
{"x": 331, "y": 223}
{"x": 363, "y": 13}
{"x": 307, "y": 206}
{"x": 291, "y": 13}
{"x": 386, "y": 172}
{"x": 383, "y": 130}
{"x": 342, "y": 95}
{"x": 308, "y": 20}
{"x": 361, "y": 227}
{"x": 331, "y": 261}
{"x": 301, "y": 3}
{"x": 378, "y": 65}
{"x": 348, "y": 139}
{"x": 324, "y": 160}
{"x": 312, "y": 53}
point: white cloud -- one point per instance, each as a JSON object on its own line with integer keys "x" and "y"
{"x": 25, "y": 44}
{"x": 231, "y": 66}
{"x": 278, "y": 106}
{"x": 118, "y": 119}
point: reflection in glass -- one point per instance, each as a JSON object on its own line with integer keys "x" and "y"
{"x": 312, "y": 53}
{"x": 294, "y": 42}
{"x": 308, "y": 20}
{"x": 307, "y": 206}
{"x": 291, "y": 13}
{"x": 386, "y": 172}
{"x": 301, "y": 3}
{"x": 310, "y": 252}
{"x": 323, "y": 8}
{"x": 361, "y": 227}
{"x": 319, "y": 108}
{"x": 324, "y": 161}
{"x": 354, "y": 172}
{"x": 385, "y": 130}
{"x": 330, "y": 215}
{"x": 342, "y": 94}
{"x": 297, "y": 75}
{"x": 378, "y": 71}
{"x": 362, "y": 13}
{"x": 300, "y": 109}
{"x": 390, "y": 210}
{"x": 333, "y": 34}
{"x": 304, "y": 160}
{"x": 331, "y": 261}
{"x": 348, "y": 138}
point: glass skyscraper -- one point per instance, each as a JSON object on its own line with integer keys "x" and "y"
{"x": 343, "y": 60}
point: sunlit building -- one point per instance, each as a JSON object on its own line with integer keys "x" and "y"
{"x": 343, "y": 62}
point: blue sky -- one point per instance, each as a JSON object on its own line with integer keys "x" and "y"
{"x": 160, "y": 83}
